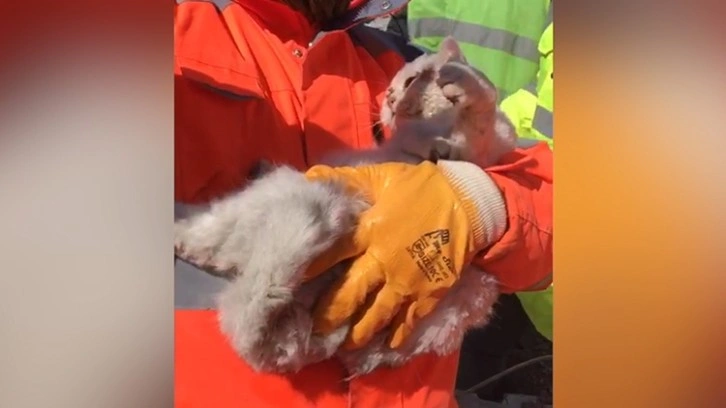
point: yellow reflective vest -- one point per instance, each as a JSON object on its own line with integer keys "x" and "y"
{"x": 530, "y": 110}
{"x": 512, "y": 42}
{"x": 498, "y": 37}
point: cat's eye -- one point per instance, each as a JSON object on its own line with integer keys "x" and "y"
{"x": 408, "y": 81}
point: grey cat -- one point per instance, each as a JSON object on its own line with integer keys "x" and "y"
{"x": 263, "y": 237}
{"x": 439, "y": 107}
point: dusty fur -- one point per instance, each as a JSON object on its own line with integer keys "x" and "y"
{"x": 439, "y": 107}
{"x": 263, "y": 237}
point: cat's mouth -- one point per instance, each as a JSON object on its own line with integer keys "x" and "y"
{"x": 410, "y": 113}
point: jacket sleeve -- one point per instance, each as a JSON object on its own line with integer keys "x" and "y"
{"x": 522, "y": 258}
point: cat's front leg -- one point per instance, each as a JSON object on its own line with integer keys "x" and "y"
{"x": 446, "y": 148}
{"x": 466, "y": 87}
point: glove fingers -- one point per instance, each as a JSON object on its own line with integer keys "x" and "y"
{"x": 344, "y": 297}
{"x": 386, "y": 304}
{"x": 407, "y": 318}
{"x": 399, "y": 327}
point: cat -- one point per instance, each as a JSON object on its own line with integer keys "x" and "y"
{"x": 263, "y": 237}
{"x": 439, "y": 107}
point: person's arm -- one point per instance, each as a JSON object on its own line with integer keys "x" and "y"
{"x": 444, "y": 216}
{"x": 513, "y": 206}
{"x": 522, "y": 258}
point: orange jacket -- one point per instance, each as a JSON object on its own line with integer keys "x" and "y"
{"x": 253, "y": 80}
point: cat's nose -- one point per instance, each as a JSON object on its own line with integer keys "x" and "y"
{"x": 391, "y": 100}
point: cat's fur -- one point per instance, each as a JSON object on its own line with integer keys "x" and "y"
{"x": 439, "y": 107}
{"x": 263, "y": 237}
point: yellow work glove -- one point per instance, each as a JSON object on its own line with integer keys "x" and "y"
{"x": 425, "y": 224}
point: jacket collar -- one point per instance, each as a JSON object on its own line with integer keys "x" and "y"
{"x": 283, "y": 20}
{"x": 362, "y": 11}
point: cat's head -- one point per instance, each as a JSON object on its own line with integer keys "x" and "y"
{"x": 413, "y": 93}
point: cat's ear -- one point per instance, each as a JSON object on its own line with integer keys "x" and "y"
{"x": 451, "y": 50}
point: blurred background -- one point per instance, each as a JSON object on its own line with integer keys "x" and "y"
{"x": 86, "y": 175}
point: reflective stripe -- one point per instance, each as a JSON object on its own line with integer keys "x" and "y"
{"x": 531, "y": 88}
{"x": 493, "y": 38}
{"x": 550, "y": 14}
{"x": 523, "y": 143}
{"x": 182, "y": 210}
{"x": 194, "y": 288}
{"x": 219, "y": 4}
{"x": 542, "y": 121}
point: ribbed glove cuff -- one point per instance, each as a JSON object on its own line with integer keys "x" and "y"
{"x": 483, "y": 202}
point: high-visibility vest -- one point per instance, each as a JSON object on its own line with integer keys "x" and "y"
{"x": 498, "y": 37}
{"x": 530, "y": 110}
{"x": 505, "y": 40}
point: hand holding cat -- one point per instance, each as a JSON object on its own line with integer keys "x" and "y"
{"x": 425, "y": 224}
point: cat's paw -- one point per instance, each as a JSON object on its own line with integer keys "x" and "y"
{"x": 443, "y": 149}
{"x": 462, "y": 85}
